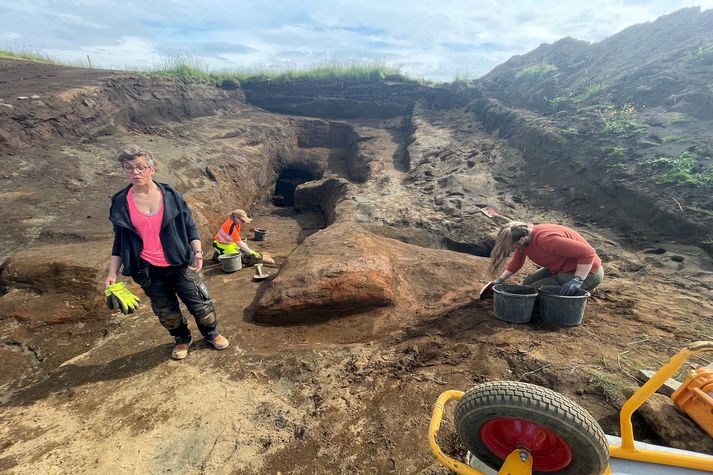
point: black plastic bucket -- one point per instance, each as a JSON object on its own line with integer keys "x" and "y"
{"x": 260, "y": 234}
{"x": 562, "y": 309}
{"x": 514, "y": 303}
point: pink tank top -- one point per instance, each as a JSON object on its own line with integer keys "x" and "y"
{"x": 148, "y": 226}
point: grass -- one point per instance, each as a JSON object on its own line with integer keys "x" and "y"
{"x": 702, "y": 53}
{"x": 674, "y": 138}
{"x": 681, "y": 170}
{"x": 557, "y": 102}
{"x": 537, "y": 72}
{"x": 621, "y": 121}
{"x": 614, "y": 151}
{"x": 590, "y": 91}
{"x": 571, "y": 132}
{"x": 679, "y": 119}
{"x": 28, "y": 55}
{"x": 612, "y": 386}
{"x": 702, "y": 211}
{"x": 194, "y": 67}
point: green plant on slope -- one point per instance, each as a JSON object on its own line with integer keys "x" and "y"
{"x": 673, "y": 139}
{"x": 591, "y": 91}
{"x": 614, "y": 151}
{"x": 536, "y": 72}
{"x": 29, "y": 55}
{"x": 621, "y": 121}
{"x": 702, "y": 54}
{"x": 557, "y": 102}
{"x": 681, "y": 170}
{"x": 679, "y": 119}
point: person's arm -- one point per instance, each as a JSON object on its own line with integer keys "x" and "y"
{"x": 515, "y": 264}
{"x": 114, "y": 266}
{"x": 583, "y": 270}
{"x": 198, "y": 255}
{"x": 504, "y": 276}
{"x": 115, "y": 263}
{"x": 244, "y": 247}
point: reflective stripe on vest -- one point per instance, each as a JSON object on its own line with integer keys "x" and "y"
{"x": 228, "y": 233}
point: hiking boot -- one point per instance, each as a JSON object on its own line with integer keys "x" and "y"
{"x": 219, "y": 342}
{"x": 180, "y": 351}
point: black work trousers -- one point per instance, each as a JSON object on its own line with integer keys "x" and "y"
{"x": 164, "y": 286}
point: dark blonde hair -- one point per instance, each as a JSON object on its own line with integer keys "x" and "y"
{"x": 131, "y": 151}
{"x": 505, "y": 244}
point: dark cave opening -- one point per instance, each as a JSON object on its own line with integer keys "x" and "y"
{"x": 286, "y": 184}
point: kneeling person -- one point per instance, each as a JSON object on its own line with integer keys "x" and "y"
{"x": 228, "y": 241}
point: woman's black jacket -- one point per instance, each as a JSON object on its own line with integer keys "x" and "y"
{"x": 177, "y": 230}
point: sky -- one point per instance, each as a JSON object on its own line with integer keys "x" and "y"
{"x": 438, "y": 40}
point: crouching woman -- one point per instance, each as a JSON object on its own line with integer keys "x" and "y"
{"x": 566, "y": 258}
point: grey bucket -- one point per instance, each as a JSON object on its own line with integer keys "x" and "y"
{"x": 231, "y": 262}
{"x": 514, "y": 303}
{"x": 562, "y": 309}
{"x": 260, "y": 234}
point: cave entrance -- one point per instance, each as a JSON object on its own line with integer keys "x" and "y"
{"x": 287, "y": 183}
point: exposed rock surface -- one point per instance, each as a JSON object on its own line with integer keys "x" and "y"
{"x": 368, "y": 271}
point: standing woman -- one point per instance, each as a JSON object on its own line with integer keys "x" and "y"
{"x": 157, "y": 243}
{"x": 566, "y": 258}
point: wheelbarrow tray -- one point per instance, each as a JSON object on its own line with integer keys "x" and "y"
{"x": 623, "y": 466}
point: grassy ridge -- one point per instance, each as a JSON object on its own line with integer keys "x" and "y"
{"x": 195, "y": 67}
{"x": 190, "y": 66}
{"x": 35, "y": 56}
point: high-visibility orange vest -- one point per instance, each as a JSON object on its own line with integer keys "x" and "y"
{"x": 228, "y": 233}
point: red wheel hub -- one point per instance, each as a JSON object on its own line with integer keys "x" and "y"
{"x": 549, "y": 451}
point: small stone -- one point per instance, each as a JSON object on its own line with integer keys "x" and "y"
{"x": 22, "y": 98}
{"x": 34, "y": 96}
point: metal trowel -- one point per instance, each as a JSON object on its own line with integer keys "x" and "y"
{"x": 259, "y": 274}
{"x": 486, "y": 293}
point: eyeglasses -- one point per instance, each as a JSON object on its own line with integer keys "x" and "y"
{"x": 139, "y": 168}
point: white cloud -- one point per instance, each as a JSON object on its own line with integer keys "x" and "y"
{"x": 435, "y": 39}
{"x": 10, "y": 36}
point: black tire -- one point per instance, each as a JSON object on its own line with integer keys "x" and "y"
{"x": 515, "y": 400}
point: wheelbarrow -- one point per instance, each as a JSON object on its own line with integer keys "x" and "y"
{"x": 519, "y": 428}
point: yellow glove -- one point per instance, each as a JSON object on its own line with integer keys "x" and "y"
{"x": 255, "y": 254}
{"x": 118, "y": 297}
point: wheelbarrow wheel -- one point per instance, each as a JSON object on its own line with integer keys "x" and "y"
{"x": 493, "y": 419}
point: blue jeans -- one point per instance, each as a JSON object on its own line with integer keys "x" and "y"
{"x": 164, "y": 286}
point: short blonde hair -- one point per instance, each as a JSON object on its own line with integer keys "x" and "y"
{"x": 131, "y": 151}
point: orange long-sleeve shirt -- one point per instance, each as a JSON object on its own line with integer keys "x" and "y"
{"x": 556, "y": 248}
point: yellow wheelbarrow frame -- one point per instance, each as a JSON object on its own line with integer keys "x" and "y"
{"x": 519, "y": 462}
